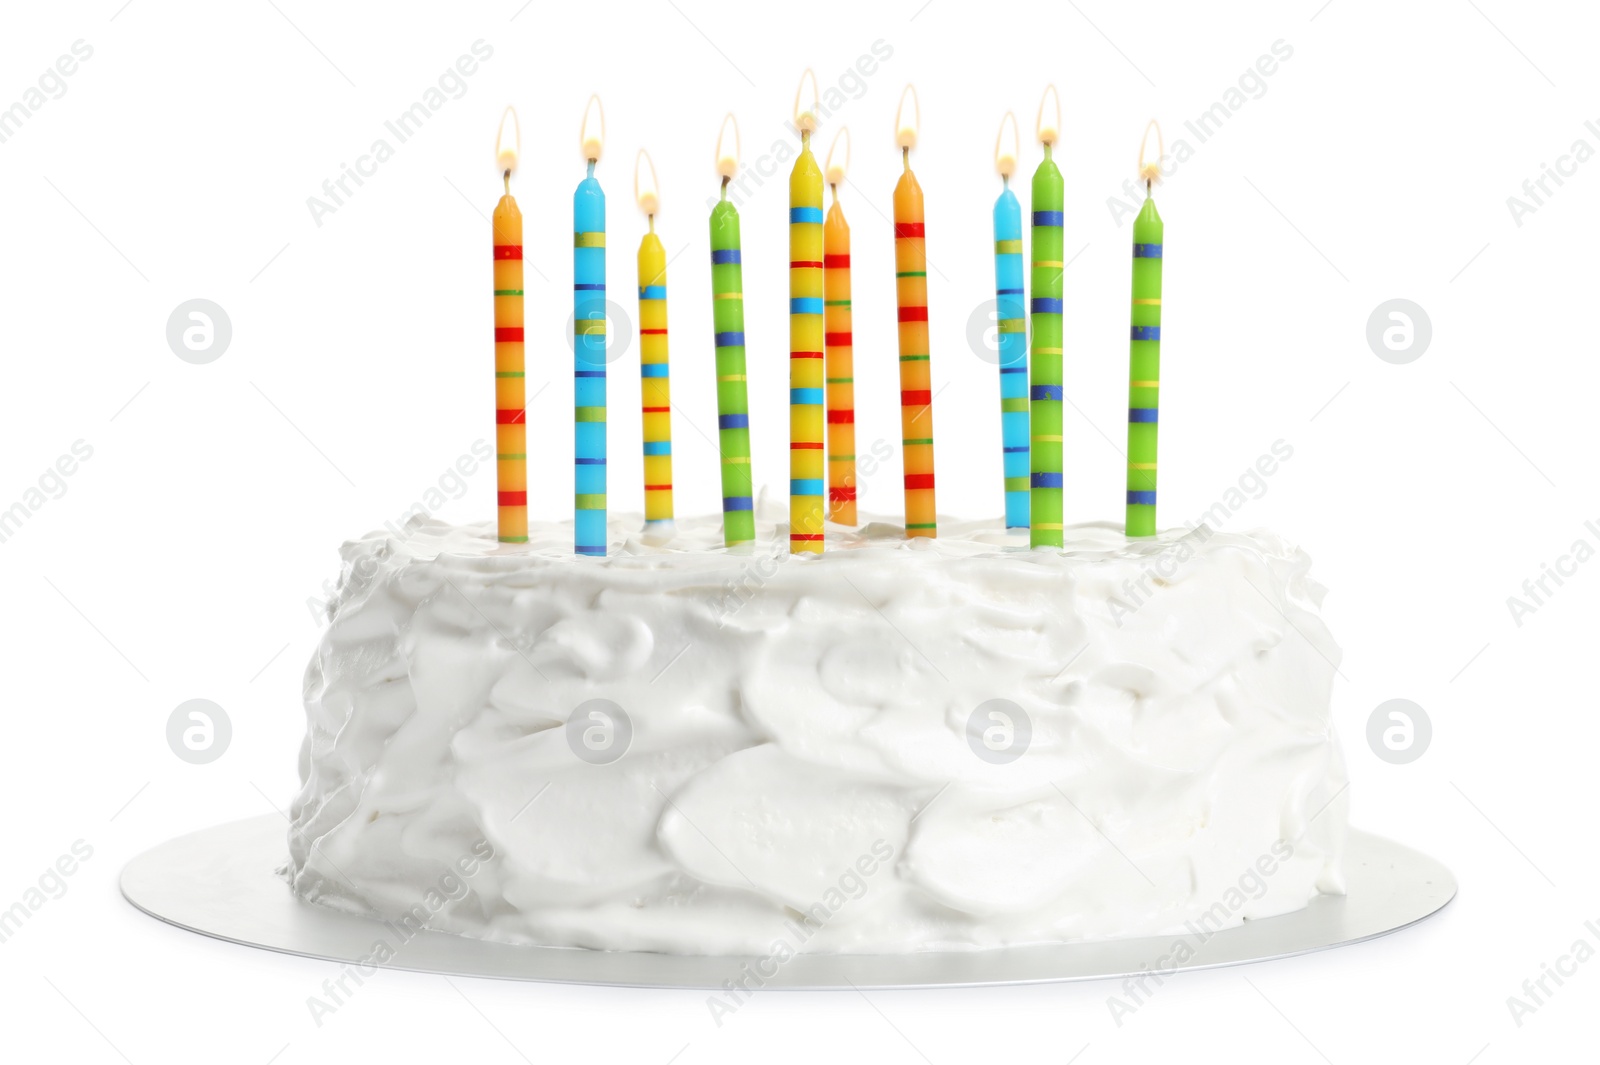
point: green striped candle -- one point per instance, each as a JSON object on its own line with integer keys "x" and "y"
{"x": 1144, "y": 362}
{"x": 1044, "y": 365}
{"x": 733, "y": 403}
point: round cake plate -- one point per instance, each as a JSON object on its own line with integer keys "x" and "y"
{"x": 222, "y": 882}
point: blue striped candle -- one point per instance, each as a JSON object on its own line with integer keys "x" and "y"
{"x": 589, "y": 365}
{"x": 1012, "y": 346}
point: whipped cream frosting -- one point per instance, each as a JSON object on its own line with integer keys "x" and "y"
{"x": 809, "y": 746}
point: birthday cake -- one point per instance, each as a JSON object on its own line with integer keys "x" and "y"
{"x": 899, "y": 745}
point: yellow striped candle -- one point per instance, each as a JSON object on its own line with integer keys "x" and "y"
{"x": 916, "y": 378}
{"x": 655, "y": 394}
{"x": 510, "y": 392}
{"x": 838, "y": 345}
{"x": 805, "y": 339}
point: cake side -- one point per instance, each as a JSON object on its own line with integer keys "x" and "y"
{"x": 809, "y": 747}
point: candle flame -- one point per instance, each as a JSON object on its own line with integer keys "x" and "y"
{"x": 506, "y": 154}
{"x": 645, "y": 188}
{"x": 1050, "y": 116}
{"x": 593, "y": 133}
{"x": 1006, "y": 147}
{"x": 728, "y": 161}
{"x": 1151, "y": 172}
{"x": 906, "y": 132}
{"x": 805, "y": 120}
{"x": 835, "y": 171}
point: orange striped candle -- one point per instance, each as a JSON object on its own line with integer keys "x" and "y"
{"x": 838, "y": 346}
{"x": 916, "y": 379}
{"x": 510, "y": 393}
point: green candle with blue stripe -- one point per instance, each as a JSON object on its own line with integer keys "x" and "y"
{"x": 1045, "y": 383}
{"x": 733, "y": 403}
{"x": 589, "y": 350}
{"x": 1144, "y": 360}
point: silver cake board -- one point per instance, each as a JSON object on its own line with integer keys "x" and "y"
{"x": 222, "y": 882}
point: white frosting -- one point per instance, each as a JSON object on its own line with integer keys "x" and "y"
{"x": 800, "y": 738}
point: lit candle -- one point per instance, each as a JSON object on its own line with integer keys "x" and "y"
{"x": 805, "y": 335}
{"x": 733, "y": 404}
{"x": 510, "y": 394}
{"x": 1012, "y": 344}
{"x": 1144, "y": 349}
{"x": 911, "y": 285}
{"x": 838, "y": 346}
{"x": 589, "y": 344}
{"x": 1045, "y": 378}
{"x": 655, "y": 391}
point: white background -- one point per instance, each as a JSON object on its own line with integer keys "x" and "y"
{"x": 177, "y": 564}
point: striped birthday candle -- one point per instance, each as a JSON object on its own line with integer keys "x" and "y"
{"x": 510, "y": 393}
{"x": 733, "y": 403}
{"x": 838, "y": 346}
{"x": 1045, "y": 368}
{"x": 655, "y": 390}
{"x": 806, "y": 385}
{"x": 1144, "y": 355}
{"x": 1012, "y": 339}
{"x": 916, "y": 378}
{"x": 589, "y": 349}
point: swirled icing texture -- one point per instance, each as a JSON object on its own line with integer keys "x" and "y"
{"x": 796, "y": 719}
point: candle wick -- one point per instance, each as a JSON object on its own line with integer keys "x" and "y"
{"x": 905, "y": 157}
{"x": 1005, "y": 181}
{"x": 725, "y": 180}
{"x": 591, "y": 166}
{"x": 805, "y": 140}
{"x": 1047, "y": 147}
{"x": 652, "y": 222}
{"x": 508, "y": 182}
{"x": 834, "y": 188}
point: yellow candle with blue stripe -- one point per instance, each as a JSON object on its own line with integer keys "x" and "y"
{"x": 655, "y": 393}
{"x": 806, "y": 375}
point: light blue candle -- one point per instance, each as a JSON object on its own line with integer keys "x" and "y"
{"x": 589, "y": 364}
{"x": 1012, "y": 346}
